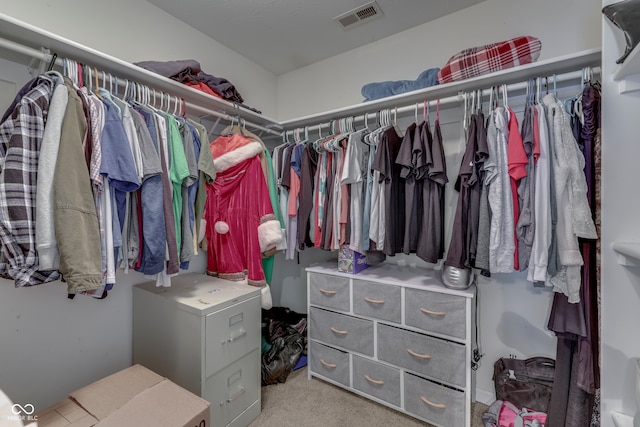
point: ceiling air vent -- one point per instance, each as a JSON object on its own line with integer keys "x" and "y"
{"x": 359, "y": 15}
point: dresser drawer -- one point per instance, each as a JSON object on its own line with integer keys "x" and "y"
{"x": 423, "y": 354}
{"x": 231, "y": 333}
{"x": 235, "y": 388}
{"x": 329, "y": 362}
{"x": 376, "y": 380}
{"x": 435, "y": 312}
{"x": 344, "y": 331}
{"x": 377, "y": 300}
{"x": 329, "y": 291}
{"x": 442, "y": 405}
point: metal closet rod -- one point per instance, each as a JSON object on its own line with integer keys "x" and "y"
{"x": 34, "y": 53}
{"x": 559, "y": 78}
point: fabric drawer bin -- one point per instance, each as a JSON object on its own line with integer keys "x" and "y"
{"x": 377, "y": 301}
{"x": 341, "y": 330}
{"x": 434, "y": 312}
{"x": 377, "y": 380}
{"x": 234, "y": 388}
{"x": 231, "y": 333}
{"x": 329, "y": 291}
{"x": 441, "y": 405}
{"x": 422, "y": 354}
{"x": 329, "y": 362}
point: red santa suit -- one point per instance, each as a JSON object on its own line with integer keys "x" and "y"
{"x": 241, "y": 224}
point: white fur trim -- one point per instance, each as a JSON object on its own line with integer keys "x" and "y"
{"x": 232, "y": 158}
{"x": 269, "y": 234}
{"x": 267, "y": 301}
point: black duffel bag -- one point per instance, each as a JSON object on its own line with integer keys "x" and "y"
{"x": 525, "y": 383}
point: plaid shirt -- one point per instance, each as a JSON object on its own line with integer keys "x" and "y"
{"x": 20, "y": 137}
{"x": 481, "y": 60}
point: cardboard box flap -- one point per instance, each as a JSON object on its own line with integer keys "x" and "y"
{"x": 110, "y": 393}
{"x": 164, "y": 404}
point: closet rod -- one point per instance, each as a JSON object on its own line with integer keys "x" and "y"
{"x": 514, "y": 87}
{"x": 34, "y": 53}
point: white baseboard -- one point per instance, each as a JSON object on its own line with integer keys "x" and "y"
{"x": 485, "y": 396}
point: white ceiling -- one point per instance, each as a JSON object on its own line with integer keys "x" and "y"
{"x": 284, "y": 35}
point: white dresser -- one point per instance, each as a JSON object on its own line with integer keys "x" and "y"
{"x": 396, "y": 336}
{"x": 203, "y": 333}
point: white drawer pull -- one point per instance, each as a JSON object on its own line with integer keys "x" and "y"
{"x": 237, "y": 395}
{"x": 326, "y": 292}
{"x": 374, "y": 301}
{"x": 435, "y": 405}
{"x": 433, "y": 313}
{"x": 338, "y": 331}
{"x": 371, "y": 380}
{"x": 418, "y": 355}
{"x": 240, "y": 334}
{"x": 328, "y": 365}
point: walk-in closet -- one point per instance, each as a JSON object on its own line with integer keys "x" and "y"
{"x": 396, "y": 247}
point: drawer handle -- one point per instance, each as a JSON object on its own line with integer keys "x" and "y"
{"x": 326, "y": 292}
{"x": 234, "y": 397}
{"x": 418, "y": 355}
{"x": 338, "y": 331}
{"x": 328, "y": 365}
{"x": 435, "y": 405}
{"x": 433, "y": 313}
{"x": 240, "y": 334}
{"x": 371, "y": 380}
{"x": 374, "y": 301}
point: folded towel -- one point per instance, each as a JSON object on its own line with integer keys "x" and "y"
{"x": 378, "y": 90}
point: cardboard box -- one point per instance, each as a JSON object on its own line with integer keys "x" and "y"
{"x": 350, "y": 261}
{"x": 132, "y": 397}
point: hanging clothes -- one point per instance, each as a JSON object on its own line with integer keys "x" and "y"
{"x": 75, "y": 215}
{"x": 526, "y": 192}
{"x": 239, "y": 228}
{"x": 431, "y": 236}
{"x": 21, "y": 132}
{"x": 463, "y": 242}
{"x": 392, "y": 197}
{"x": 501, "y": 240}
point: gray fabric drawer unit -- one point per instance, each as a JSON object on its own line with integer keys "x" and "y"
{"x": 377, "y": 300}
{"x": 350, "y": 333}
{"x": 329, "y": 362}
{"x": 377, "y": 380}
{"x": 422, "y": 354}
{"x": 329, "y": 291}
{"x": 433, "y": 312}
{"x": 398, "y": 337}
{"x": 442, "y": 405}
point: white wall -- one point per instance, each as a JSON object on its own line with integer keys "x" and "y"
{"x": 563, "y": 26}
{"x": 620, "y": 304}
{"x": 49, "y": 345}
{"x": 512, "y": 314}
{"x": 136, "y": 30}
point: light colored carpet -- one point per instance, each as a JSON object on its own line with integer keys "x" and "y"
{"x": 315, "y": 403}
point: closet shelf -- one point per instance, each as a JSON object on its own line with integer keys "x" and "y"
{"x": 628, "y": 253}
{"x": 17, "y": 32}
{"x": 621, "y": 420}
{"x": 559, "y": 65}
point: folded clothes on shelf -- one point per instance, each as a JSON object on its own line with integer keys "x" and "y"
{"x": 378, "y": 90}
